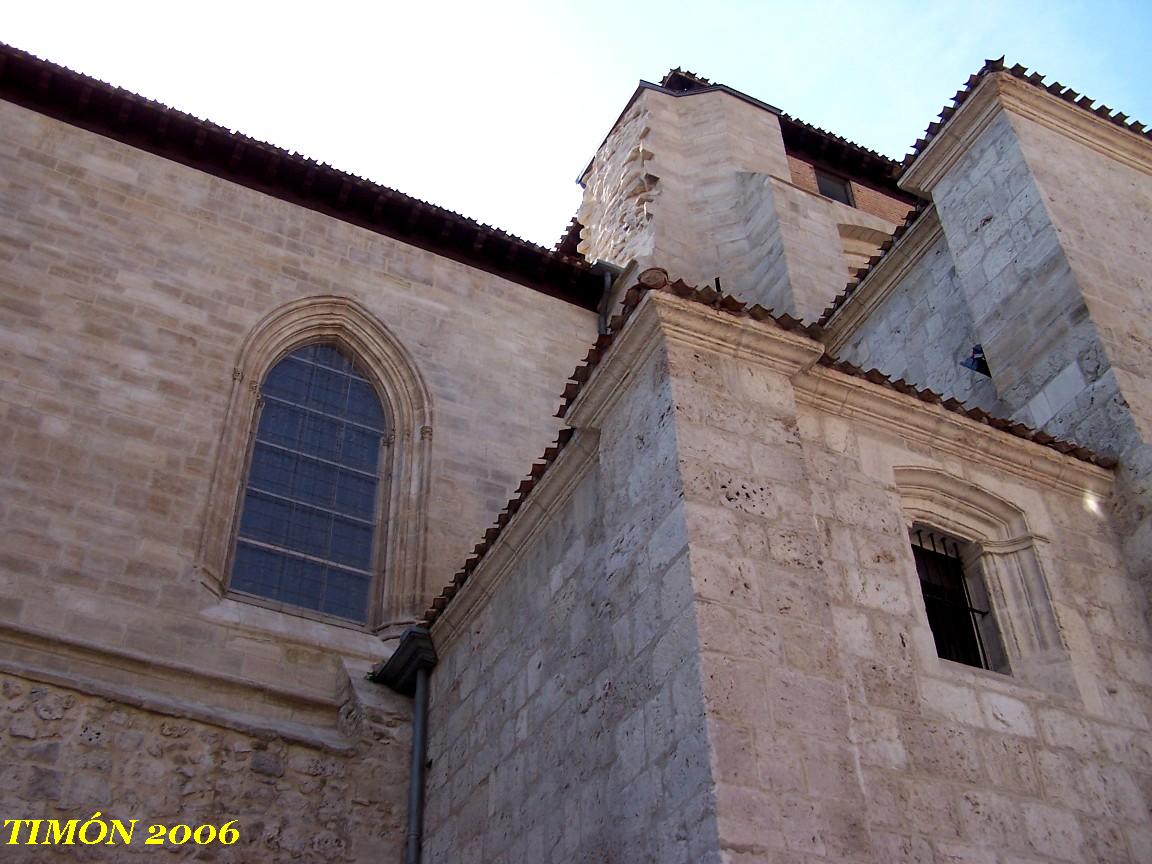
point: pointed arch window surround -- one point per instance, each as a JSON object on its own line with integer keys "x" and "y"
{"x": 319, "y": 492}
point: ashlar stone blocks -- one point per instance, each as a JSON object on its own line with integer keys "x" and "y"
{"x": 760, "y": 682}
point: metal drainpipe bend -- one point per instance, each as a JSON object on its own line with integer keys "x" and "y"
{"x": 406, "y": 672}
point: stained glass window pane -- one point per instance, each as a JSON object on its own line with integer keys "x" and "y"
{"x": 309, "y": 516}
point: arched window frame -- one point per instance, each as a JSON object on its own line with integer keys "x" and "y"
{"x": 1006, "y": 550}
{"x": 398, "y": 592}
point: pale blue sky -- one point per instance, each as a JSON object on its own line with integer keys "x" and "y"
{"x": 492, "y": 108}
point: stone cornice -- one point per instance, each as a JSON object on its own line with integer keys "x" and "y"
{"x": 696, "y": 326}
{"x": 1001, "y": 91}
{"x": 848, "y": 396}
{"x": 882, "y": 280}
{"x": 629, "y": 350}
{"x": 189, "y": 690}
{"x": 1083, "y": 127}
{"x": 795, "y": 355}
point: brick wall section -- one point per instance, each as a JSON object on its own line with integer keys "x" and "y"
{"x": 68, "y": 755}
{"x": 127, "y": 285}
{"x": 567, "y": 721}
{"x": 873, "y": 201}
{"x": 878, "y": 204}
{"x": 803, "y": 174}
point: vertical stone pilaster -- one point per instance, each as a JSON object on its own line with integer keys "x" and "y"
{"x": 779, "y": 725}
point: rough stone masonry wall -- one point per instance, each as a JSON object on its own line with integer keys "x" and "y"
{"x": 1047, "y": 238}
{"x": 1102, "y": 211}
{"x": 958, "y": 763}
{"x": 68, "y": 755}
{"x": 566, "y": 720}
{"x": 837, "y": 734}
{"x": 922, "y": 331}
{"x": 1023, "y": 298}
{"x": 127, "y": 286}
{"x": 778, "y": 710}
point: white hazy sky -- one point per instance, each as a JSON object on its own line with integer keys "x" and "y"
{"x": 492, "y": 108}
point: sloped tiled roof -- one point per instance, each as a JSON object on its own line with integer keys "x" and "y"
{"x": 1036, "y": 80}
{"x": 88, "y": 103}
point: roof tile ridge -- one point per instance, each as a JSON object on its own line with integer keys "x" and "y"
{"x": 1035, "y": 79}
{"x": 116, "y": 91}
{"x": 895, "y": 163}
{"x": 956, "y": 406}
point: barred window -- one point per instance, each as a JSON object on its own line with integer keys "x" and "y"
{"x": 308, "y": 525}
{"x": 956, "y": 600}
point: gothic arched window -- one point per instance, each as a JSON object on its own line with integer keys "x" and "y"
{"x": 308, "y": 528}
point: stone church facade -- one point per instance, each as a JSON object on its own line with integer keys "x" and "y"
{"x": 799, "y": 572}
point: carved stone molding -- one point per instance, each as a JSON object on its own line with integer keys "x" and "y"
{"x": 1007, "y": 557}
{"x": 405, "y": 472}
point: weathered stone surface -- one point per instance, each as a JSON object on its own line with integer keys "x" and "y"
{"x": 291, "y": 800}
{"x": 702, "y": 186}
{"x": 702, "y": 637}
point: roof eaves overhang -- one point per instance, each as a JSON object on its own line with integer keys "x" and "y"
{"x": 120, "y": 115}
{"x": 798, "y": 137}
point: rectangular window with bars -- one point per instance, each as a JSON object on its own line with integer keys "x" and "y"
{"x": 956, "y": 600}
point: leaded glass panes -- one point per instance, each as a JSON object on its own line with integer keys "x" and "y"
{"x": 308, "y": 521}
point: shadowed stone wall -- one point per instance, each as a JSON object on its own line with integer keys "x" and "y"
{"x": 1044, "y": 210}
{"x": 69, "y": 755}
{"x": 567, "y": 722}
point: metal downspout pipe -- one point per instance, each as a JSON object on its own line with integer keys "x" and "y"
{"x": 416, "y": 775}
{"x": 406, "y": 672}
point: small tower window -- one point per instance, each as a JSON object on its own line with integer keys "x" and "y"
{"x": 836, "y": 188}
{"x": 956, "y": 600}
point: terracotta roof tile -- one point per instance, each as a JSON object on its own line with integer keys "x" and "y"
{"x": 569, "y": 241}
{"x": 1036, "y": 80}
{"x": 88, "y": 103}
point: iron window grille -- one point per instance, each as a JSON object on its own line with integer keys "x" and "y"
{"x": 956, "y": 600}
